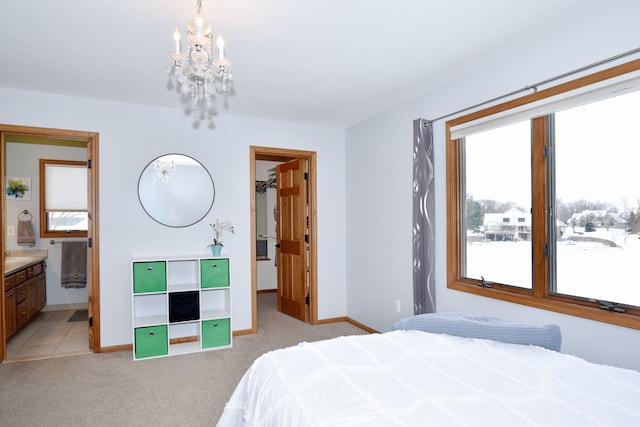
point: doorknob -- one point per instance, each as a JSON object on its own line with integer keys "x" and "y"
{"x": 277, "y": 245}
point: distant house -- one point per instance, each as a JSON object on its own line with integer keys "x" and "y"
{"x": 597, "y": 218}
{"x": 513, "y": 225}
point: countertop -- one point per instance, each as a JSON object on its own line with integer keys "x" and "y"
{"x": 19, "y": 259}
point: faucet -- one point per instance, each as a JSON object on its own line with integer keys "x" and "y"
{"x": 7, "y": 253}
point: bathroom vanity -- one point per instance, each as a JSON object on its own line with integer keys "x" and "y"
{"x": 25, "y": 290}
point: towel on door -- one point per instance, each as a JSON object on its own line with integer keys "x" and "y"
{"x": 26, "y": 235}
{"x": 74, "y": 265}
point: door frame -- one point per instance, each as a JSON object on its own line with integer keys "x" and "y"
{"x": 93, "y": 255}
{"x": 283, "y": 155}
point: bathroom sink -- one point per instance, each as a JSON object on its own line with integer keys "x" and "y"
{"x": 13, "y": 262}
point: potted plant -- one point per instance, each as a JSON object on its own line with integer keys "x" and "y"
{"x": 219, "y": 228}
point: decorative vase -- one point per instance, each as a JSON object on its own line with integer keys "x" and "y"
{"x": 215, "y": 249}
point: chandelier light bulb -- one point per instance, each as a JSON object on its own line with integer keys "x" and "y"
{"x": 199, "y": 22}
{"x": 220, "y": 44}
{"x": 176, "y": 39}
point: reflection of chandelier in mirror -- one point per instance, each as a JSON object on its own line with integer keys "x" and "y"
{"x": 198, "y": 73}
{"x": 164, "y": 167}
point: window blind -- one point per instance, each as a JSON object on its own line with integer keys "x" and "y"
{"x": 620, "y": 85}
{"x": 66, "y": 188}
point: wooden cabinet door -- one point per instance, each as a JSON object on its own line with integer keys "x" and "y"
{"x": 22, "y": 310}
{"x": 42, "y": 291}
{"x": 32, "y": 297}
{"x": 10, "y": 313}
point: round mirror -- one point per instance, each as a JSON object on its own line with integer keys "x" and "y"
{"x": 176, "y": 190}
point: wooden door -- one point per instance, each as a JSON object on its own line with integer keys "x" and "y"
{"x": 291, "y": 236}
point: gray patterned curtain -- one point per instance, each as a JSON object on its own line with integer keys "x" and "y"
{"x": 424, "y": 286}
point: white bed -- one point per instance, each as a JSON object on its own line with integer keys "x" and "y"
{"x": 415, "y": 378}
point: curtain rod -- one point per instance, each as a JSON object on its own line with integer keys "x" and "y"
{"x": 534, "y": 87}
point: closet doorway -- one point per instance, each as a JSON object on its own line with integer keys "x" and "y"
{"x": 10, "y": 133}
{"x": 279, "y": 156}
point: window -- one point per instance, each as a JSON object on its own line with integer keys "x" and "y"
{"x": 551, "y": 179}
{"x": 63, "y": 198}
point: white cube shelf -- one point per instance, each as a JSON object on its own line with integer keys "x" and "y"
{"x": 180, "y": 305}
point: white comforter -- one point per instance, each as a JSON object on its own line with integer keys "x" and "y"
{"x": 412, "y": 378}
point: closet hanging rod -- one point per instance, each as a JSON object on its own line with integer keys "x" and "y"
{"x": 534, "y": 87}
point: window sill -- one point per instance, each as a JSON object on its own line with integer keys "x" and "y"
{"x": 551, "y": 304}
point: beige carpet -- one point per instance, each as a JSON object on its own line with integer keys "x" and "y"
{"x": 111, "y": 390}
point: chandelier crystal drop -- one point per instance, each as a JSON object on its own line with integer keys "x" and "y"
{"x": 200, "y": 75}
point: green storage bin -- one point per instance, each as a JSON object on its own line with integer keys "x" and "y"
{"x": 149, "y": 277}
{"x": 214, "y": 273}
{"x": 216, "y": 333}
{"x": 151, "y": 341}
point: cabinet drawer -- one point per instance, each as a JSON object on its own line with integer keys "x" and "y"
{"x": 216, "y": 333}
{"x": 151, "y": 341}
{"x": 36, "y": 269}
{"x": 9, "y": 282}
{"x": 149, "y": 277}
{"x": 21, "y": 293}
{"x": 214, "y": 273}
{"x": 21, "y": 276}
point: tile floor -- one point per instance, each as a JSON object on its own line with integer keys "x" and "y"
{"x": 49, "y": 335}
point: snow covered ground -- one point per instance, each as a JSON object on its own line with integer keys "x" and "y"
{"x": 586, "y": 269}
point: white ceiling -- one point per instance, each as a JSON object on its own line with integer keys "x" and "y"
{"x": 331, "y": 62}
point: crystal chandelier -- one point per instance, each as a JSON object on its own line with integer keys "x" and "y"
{"x": 164, "y": 167}
{"x": 198, "y": 73}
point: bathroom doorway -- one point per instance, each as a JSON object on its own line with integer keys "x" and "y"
{"x": 55, "y": 137}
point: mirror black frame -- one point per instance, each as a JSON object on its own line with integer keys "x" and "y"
{"x": 166, "y": 200}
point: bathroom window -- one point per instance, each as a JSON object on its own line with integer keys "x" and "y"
{"x": 63, "y": 198}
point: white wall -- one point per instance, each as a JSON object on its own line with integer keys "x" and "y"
{"x": 23, "y": 161}
{"x": 133, "y": 135}
{"x": 379, "y": 178}
{"x": 378, "y": 215}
